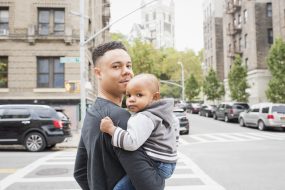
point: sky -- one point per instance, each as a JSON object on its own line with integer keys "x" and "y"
{"x": 188, "y": 21}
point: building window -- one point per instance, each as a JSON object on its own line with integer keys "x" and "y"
{"x": 154, "y": 15}
{"x": 169, "y": 18}
{"x": 50, "y": 73}
{"x": 270, "y": 35}
{"x": 146, "y": 17}
{"x": 51, "y": 21}
{"x": 239, "y": 20}
{"x": 3, "y": 72}
{"x": 240, "y": 42}
{"x": 167, "y": 27}
{"x": 269, "y": 9}
{"x": 245, "y": 40}
{"x": 4, "y": 21}
{"x": 245, "y": 16}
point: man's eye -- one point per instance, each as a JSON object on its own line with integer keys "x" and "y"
{"x": 129, "y": 66}
{"x": 115, "y": 66}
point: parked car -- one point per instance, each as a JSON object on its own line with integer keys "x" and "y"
{"x": 34, "y": 126}
{"x": 66, "y": 123}
{"x": 229, "y": 111}
{"x": 207, "y": 110}
{"x": 183, "y": 120}
{"x": 263, "y": 116}
{"x": 195, "y": 108}
{"x": 186, "y": 106}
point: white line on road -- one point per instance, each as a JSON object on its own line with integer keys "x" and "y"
{"x": 6, "y": 182}
{"x": 210, "y": 184}
{"x": 58, "y": 163}
{"x": 45, "y": 179}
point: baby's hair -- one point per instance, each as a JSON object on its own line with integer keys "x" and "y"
{"x": 150, "y": 79}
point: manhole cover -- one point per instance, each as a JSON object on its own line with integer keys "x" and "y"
{"x": 52, "y": 171}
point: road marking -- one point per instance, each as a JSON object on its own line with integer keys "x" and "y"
{"x": 230, "y": 137}
{"x": 6, "y": 182}
{"x": 7, "y": 170}
{"x": 196, "y": 173}
{"x": 45, "y": 179}
{"x": 183, "y": 142}
{"x": 58, "y": 163}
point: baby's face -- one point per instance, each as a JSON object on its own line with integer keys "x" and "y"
{"x": 138, "y": 96}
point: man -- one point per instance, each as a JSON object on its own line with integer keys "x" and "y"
{"x": 98, "y": 165}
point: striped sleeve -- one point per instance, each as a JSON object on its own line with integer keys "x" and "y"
{"x": 139, "y": 129}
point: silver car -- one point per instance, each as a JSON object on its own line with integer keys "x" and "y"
{"x": 263, "y": 116}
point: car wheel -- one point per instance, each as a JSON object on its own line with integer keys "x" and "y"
{"x": 207, "y": 114}
{"x": 241, "y": 122}
{"x": 261, "y": 126}
{"x": 226, "y": 118}
{"x": 35, "y": 142}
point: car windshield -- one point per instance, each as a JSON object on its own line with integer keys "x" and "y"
{"x": 278, "y": 109}
{"x": 178, "y": 113}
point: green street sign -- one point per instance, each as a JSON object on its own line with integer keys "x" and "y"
{"x": 69, "y": 60}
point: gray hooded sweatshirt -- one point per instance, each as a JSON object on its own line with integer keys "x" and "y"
{"x": 155, "y": 129}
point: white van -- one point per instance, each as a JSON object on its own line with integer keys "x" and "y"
{"x": 263, "y": 116}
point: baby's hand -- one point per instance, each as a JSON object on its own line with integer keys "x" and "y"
{"x": 107, "y": 126}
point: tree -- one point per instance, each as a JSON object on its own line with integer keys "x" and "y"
{"x": 192, "y": 88}
{"x": 276, "y": 64}
{"x": 237, "y": 81}
{"x": 212, "y": 87}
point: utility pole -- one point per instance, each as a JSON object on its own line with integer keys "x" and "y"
{"x": 182, "y": 80}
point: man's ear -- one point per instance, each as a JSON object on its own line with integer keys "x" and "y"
{"x": 97, "y": 72}
{"x": 156, "y": 96}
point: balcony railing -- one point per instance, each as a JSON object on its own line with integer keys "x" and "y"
{"x": 234, "y": 30}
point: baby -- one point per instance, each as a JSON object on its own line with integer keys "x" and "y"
{"x": 152, "y": 126}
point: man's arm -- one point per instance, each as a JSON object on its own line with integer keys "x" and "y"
{"x": 141, "y": 170}
{"x": 80, "y": 169}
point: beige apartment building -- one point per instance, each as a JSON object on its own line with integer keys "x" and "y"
{"x": 213, "y": 37}
{"x": 34, "y": 36}
{"x": 248, "y": 31}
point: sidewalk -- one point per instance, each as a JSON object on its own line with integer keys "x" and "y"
{"x": 71, "y": 142}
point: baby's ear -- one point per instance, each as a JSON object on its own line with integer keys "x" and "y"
{"x": 156, "y": 96}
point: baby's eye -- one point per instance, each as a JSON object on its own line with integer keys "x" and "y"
{"x": 128, "y": 95}
{"x": 139, "y": 95}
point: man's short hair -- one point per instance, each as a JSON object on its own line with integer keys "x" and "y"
{"x": 103, "y": 48}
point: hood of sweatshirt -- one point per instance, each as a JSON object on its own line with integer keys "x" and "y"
{"x": 163, "y": 109}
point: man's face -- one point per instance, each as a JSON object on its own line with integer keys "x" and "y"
{"x": 139, "y": 96}
{"x": 114, "y": 71}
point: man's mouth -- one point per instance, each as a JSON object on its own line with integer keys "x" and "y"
{"x": 124, "y": 81}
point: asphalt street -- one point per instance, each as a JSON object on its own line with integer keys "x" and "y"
{"x": 214, "y": 156}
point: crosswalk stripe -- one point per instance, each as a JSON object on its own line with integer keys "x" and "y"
{"x": 246, "y": 136}
{"x": 192, "y": 187}
{"x": 199, "y": 138}
{"x": 268, "y": 136}
{"x": 215, "y": 137}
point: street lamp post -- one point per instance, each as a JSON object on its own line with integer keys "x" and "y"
{"x": 82, "y": 52}
{"x": 182, "y": 80}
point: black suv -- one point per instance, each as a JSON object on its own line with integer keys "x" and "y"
{"x": 35, "y": 126}
{"x": 229, "y": 111}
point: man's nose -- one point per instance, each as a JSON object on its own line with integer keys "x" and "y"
{"x": 127, "y": 70}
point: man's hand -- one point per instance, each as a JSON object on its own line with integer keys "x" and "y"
{"x": 107, "y": 126}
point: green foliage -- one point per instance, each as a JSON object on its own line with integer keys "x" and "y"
{"x": 163, "y": 63}
{"x": 237, "y": 81}
{"x": 276, "y": 64}
{"x": 212, "y": 87}
{"x": 170, "y": 91}
{"x": 192, "y": 88}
